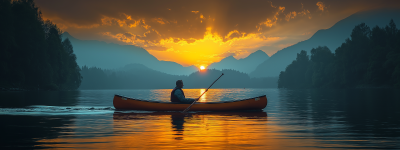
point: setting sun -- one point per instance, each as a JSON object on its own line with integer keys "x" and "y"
{"x": 202, "y": 68}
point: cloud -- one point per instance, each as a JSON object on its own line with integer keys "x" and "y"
{"x": 234, "y": 34}
{"x": 291, "y": 15}
{"x": 194, "y": 32}
{"x": 64, "y": 25}
{"x": 272, "y": 21}
{"x": 160, "y": 20}
{"x": 321, "y": 6}
{"x": 294, "y": 14}
{"x": 186, "y": 20}
{"x": 132, "y": 39}
{"x": 212, "y": 47}
{"x": 226, "y": 54}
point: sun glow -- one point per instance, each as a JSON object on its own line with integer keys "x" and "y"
{"x": 202, "y": 67}
{"x": 211, "y": 48}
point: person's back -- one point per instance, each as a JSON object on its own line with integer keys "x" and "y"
{"x": 175, "y": 98}
{"x": 177, "y": 94}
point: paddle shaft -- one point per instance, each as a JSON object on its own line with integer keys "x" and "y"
{"x": 201, "y": 94}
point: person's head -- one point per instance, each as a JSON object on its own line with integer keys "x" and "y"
{"x": 179, "y": 83}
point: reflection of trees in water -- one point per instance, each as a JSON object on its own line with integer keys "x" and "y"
{"x": 49, "y": 98}
{"x": 372, "y": 112}
{"x": 359, "y": 114}
{"x": 24, "y": 131}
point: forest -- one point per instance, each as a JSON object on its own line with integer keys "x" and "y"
{"x": 137, "y": 76}
{"x": 32, "y": 54}
{"x": 369, "y": 58}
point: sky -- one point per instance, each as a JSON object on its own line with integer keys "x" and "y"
{"x": 200, "y": 32}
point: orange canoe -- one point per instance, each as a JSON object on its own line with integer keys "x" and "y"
{"x": 256, "y": 103}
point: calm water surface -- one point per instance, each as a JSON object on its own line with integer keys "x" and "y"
{"x": 293, "y": 119}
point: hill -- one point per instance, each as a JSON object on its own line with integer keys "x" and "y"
{"x": 138, "y": 76}
{"x": 246, "y": 65}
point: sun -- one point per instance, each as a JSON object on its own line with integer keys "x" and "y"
{"x": 202, "y": 68}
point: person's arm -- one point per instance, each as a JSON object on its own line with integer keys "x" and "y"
{"x": 179, "y": 94}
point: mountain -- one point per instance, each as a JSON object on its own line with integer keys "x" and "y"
{"x": 112, "y": 56}
{"x": 138, "y": 76}
{"x": 246, "y": 65}
{"x": 332, "y": 38}
{"x": 137, "y": 68}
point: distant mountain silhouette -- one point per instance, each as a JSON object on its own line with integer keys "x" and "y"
{"x": 332, "y": 38}
{"x": 138, "y": 76}
{"x": 112, "y": 56}
{"x": 136, "y": 68}
{"x": 246, "y": 65}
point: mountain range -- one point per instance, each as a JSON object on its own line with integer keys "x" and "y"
{"x": 104, "y": 55}
{"x": 138, "y": 76}
{"x": 245, "y": 65}
{"x": 332, "y": 38}
{"x": 93, "y": 53}
{"x": 258, "y": 64}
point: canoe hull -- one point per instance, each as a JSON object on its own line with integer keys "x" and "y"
{"x": 256, "y": 103}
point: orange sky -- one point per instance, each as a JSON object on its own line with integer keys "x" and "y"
{"x": 201, "y": 32}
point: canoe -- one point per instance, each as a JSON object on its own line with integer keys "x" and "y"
{"x": 256, "y": 103}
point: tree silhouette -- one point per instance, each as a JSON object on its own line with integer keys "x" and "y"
{"x": 295, "y": 74}
{"x": 33, "y": 56}
{"x": 367, "y": 58}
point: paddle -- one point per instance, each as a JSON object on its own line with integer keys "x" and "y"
{"x": 184, "y": 111}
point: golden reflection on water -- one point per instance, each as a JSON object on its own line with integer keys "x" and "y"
{"x": 287, "y": 126}
{"x": 192, "y": 131}
{"x": 212, "y": 95}
{"x": 204, "y": 97}
{"x": 174, "y": 130}
{"x": 201, "y": 130}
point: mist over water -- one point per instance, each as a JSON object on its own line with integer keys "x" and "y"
{"x": 293, "y": 119}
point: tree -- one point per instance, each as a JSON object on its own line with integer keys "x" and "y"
{"x": 73, "y": 76}
{"x": 32, "y": 55}
{"x": 7, "y": 41}
{"x": 352, "y": 57}
{"x": 294, "y": 75}
{"x": 322, "y": 66}
{"x": 368, "y": 57}
{"x": 392, "y": 63}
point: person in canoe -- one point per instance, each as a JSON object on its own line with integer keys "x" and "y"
{"x": 177, "y": 94}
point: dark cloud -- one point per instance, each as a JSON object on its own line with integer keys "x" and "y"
{"x": 176, "y": 19}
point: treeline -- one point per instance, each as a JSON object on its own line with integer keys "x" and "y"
{"x": 140, "y": 77}
{"x": 370, "y": 58}
{"x": 131, "y": 77}
{"x": 32, "y": 54}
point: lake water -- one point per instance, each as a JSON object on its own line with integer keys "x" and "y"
{"x": 293, "y": 119}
